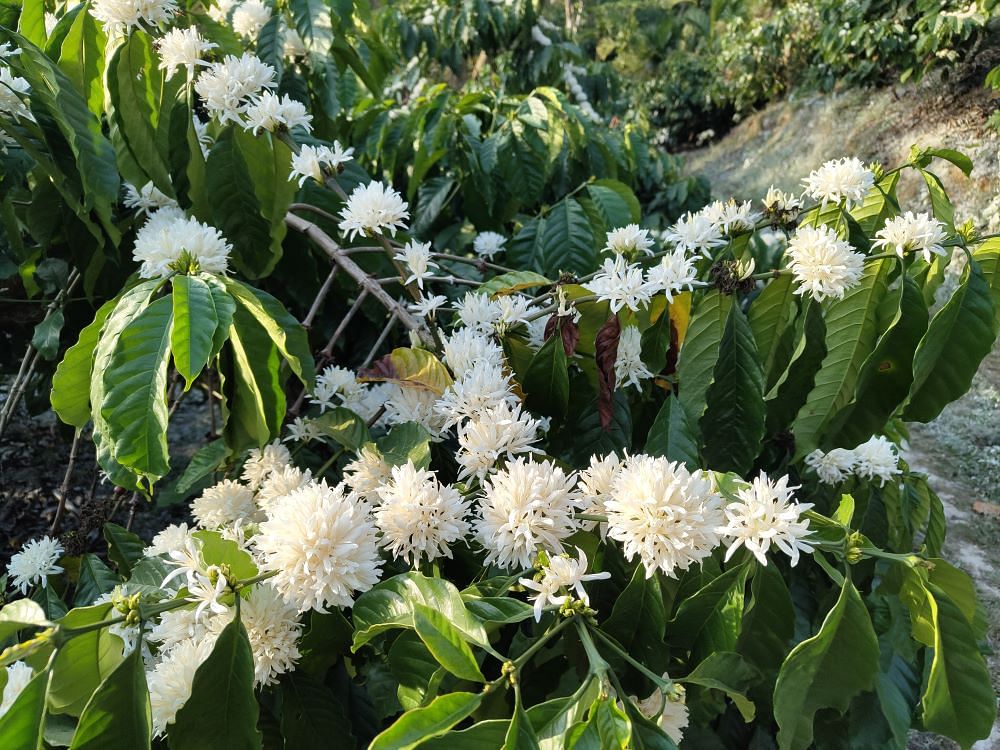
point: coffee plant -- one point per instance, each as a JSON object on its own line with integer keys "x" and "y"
{"x": 514, "y": 449}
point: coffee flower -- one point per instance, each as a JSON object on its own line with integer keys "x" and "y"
{"x": 629, "y": 240}
{"x": 911, "y": 233}
{"x": 249, "y": 18}
{"x": 373, "y": 208}
{"x": 763, "y": 515}
{"x": 877, "y": 459}
{"x": 696, "y": 233}
{"x": 269, "y": 112}
{"x": 182, "y": 48}
{"x": 170, "y": 242}
{"x": 227, "y": 88}
{"x": 488, "y": 244}
{"x": 823, "y": 264}
{"x": 840, "y": 180}
{"x": 33, "y": 565}
{"x": 621, "y": 285}
{"x": 562, "y": 577}
{"x": 121, "y": 16}
{"x": 417, "y": 257}
{"x": 12, "y": 88}
{"x": 311, "y": 161}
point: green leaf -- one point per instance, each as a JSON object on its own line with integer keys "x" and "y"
{"x": 408, "y": 441}
{"x": 484, "y": 734}
{"x": 137, "y": 87}
{"x": 134, "y": 406}
{"x": 568, "y": 243}
{"x": 194, "y": 326}
{"x": 958, "y": 338}
{"x": 217, "y": 550}
{"x": 284, "y": 330}
{"x": 520, "y": 734}
{"x": 255, "y": 397}
{"x": 769, "y": 621}
{"x": 638, "y": 620}
{"x": 646, "y": 734}
{"x": 125, "y": 549}
{"x": 22, "y": 725}
{"x": 446, "y": 642}
{"x": 117, "y": 716}
{"x": 54, "y": 94}
{"x": 793, "y": 385}
{"x": 728, "y": 672}
{"x": 499, "y": 609}
{"x": 424, "y": 723}
{"x": 733, "y": 423}
{"x": 718, "y": 605}
{"x": 771, "y": 316}
{"x": 81, "y": 58}
{"x": 70, "y": 396}
{"x": 389, "y": 605}
{"x": 940, "y": 203}
{"x": 887, "y": 374}
{"x": 96, "y": 578}
{"x": 46, "y": 336}
{"x": 957, "y": 158}
{"x": 851, "y": 332}
{"x": 957, "y": 700}
{"x": 671, "y": 435}
{"x": 84, "y": 661}
{"x": 515, "y": 281}
{"x": 19, "y": 615}
{"x": 700, "y": 352}
{"x": 826, "y": 670}
{"x": 546, "y": 382}
{"x": 222, "y": 710}
{"x": 311, "y": 716}
{"x": 615, "y": 204}
{"x": 344, "y": 426}
{"x": 197, "y": 475}
{"x": 31, "y": 22}
{"x": 416, "y": 670}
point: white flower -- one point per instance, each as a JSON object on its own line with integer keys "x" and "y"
{"x": 909, "y": 233}
{"x": 147, "y": 199}
{"x": 674, "y": 273}
{"x": 283, "y": 481}
{"x": 311, "y": 160}
{"x": 223, "y": 503}
{"x": 35, "y": 563}
{"x": 125, "y": 15}
{"x": 292, "y": 44}
{"x": 732, "y": 217}
{"x": 428, "y": 306}
{"x": 367, "y": 472}
{"x": 302, "y": 430}
{"x": 170, "y": 681}
{"x": 596, "y": 481}
{"x": 321, "y": 545}
{"x": 525, "y": 508}
{"x": 514, "y": 309}
{"x": 413, "y": 404}
{"x": 12, "y": 88}
{"x": 206, "y": 589}
{"x": 176, "y": 626}
{"x": 629, "y": 239}
{"x": 19, "y": 675}
{"x": 205, "y": 140}
{"x": 663, "y": 513}
{"x": 480, "y": 387}
{"x": 249, "y": 18}
{"x": 268, "y": 111}
{"x": 227, "y": 86}
{"x": 620, "y": 284}
{"x": 766, "y": 514}
{"x": 182, "y": 48}
{"x": 262, "y": 461}
{"x": 418, "y": 516}
{"x": 832, "y": 467}
{"x": 876, "y": 459}
{"x": 672, "y": 708}
{"x": 8, "y": 50}
{"x": 373, "y": 208}
{"x": 562, "y": 574}
{"x": 220, "y": 11}
{"x": 273, "y": 629}
{"x": 336, "y": 386}
{"x": 784, "y": 207}
{"x": 478, "y": 312}
{"x": 629, "y": 367}
{"x": 488, "y": 244}
{"x": 417, "y": 257}
{"x": 495, "y": 432}
{"x": 695, "y": 233}
{"x": 839, "y": 180}
{"x": 172, "y": 537}
{"x": 169, "y": 242}
{"x": 823, "y": 265}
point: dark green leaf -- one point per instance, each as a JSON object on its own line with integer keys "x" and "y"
{"x": 733, "y": 423}
{"x": 406, "y": 442}
{"x": 446, "y": 643}
{"x": 700, "y": 352}
{"x": 717, "y": 605}
{"x": 46, "y": 336}
{"x": 728, "y": 672}
{"x": 520, "y": 734}
{"x": 433, "y": 720}
{"x": 639, "y": 619}
{"x": 671, "y": 435}
{"x": 96, "y": 578}
{"x": 222, "y": 710}
{"x": 194, "y": 326}
{"x": 125, "y": 549}
{"x": 197, "y": 474}
{"x": 568, "y": 243}
{"x": 546, "y": 383}
{"x": 826, "y": 670}
{"x": 311, "y": 716}
{"x": 117, "y": 716}
{"x": 771, "y": 316}
{"x": 344, "y": 426}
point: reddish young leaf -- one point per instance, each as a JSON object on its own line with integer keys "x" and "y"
{"x": 605, "y": 354}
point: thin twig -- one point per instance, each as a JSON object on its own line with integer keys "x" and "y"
{"x": 379, "y": 341}
{"x": 63, "y": 493}
{"x": 133, "y": 505}
{"x": 320, "y": 298}
{"x": 327, "y": 350}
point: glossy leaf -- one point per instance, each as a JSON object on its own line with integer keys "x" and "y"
{"x": 515, "y": 281}
{"x": 21, "y": 614}
{"x": 426, "y": 722}
{"x": 546, "y": 383}
{"x": 728, "y": 672}
{"x": 408, "y": 441}
{"x": 125, "y": 549}
{"x": 21, "y": 726}
{"x": 84, "y": 661}
{"x": 96, "y": 578}
{"x": 222, "y": 709}
{"x": 446, "y": 643}
{"x": 771, "y": 317}
{"x": 70, "y": 396}
{"x": 311, "y": 715}
{"x": 568, "y": 245}
{"x": 638, "y": 620}
{"x": 194, "y": 326}
{"x": 700, "y": 352}
{"x": 671, "y": 435}
{"x": 117, "y": 716}
{"x": 826, "y": 670}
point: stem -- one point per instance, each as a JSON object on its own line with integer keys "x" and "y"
{"x": 657, "y": 679}
{"x": 243, "y": 583}
{"x": 477, "y": 262}
{"x": 63, "y": 493}
{"x": 537, "y": 645}
{"x": 590, "y": 517}
{"x": 598, "y": 665}
{"x": 329, "y": 462}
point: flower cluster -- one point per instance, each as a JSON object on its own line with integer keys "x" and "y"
{"x": 838, "y": 181}
{"x": 823, "y": 264}
{"x": 171, "y": 242}
{"x": 875, "y": 459}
